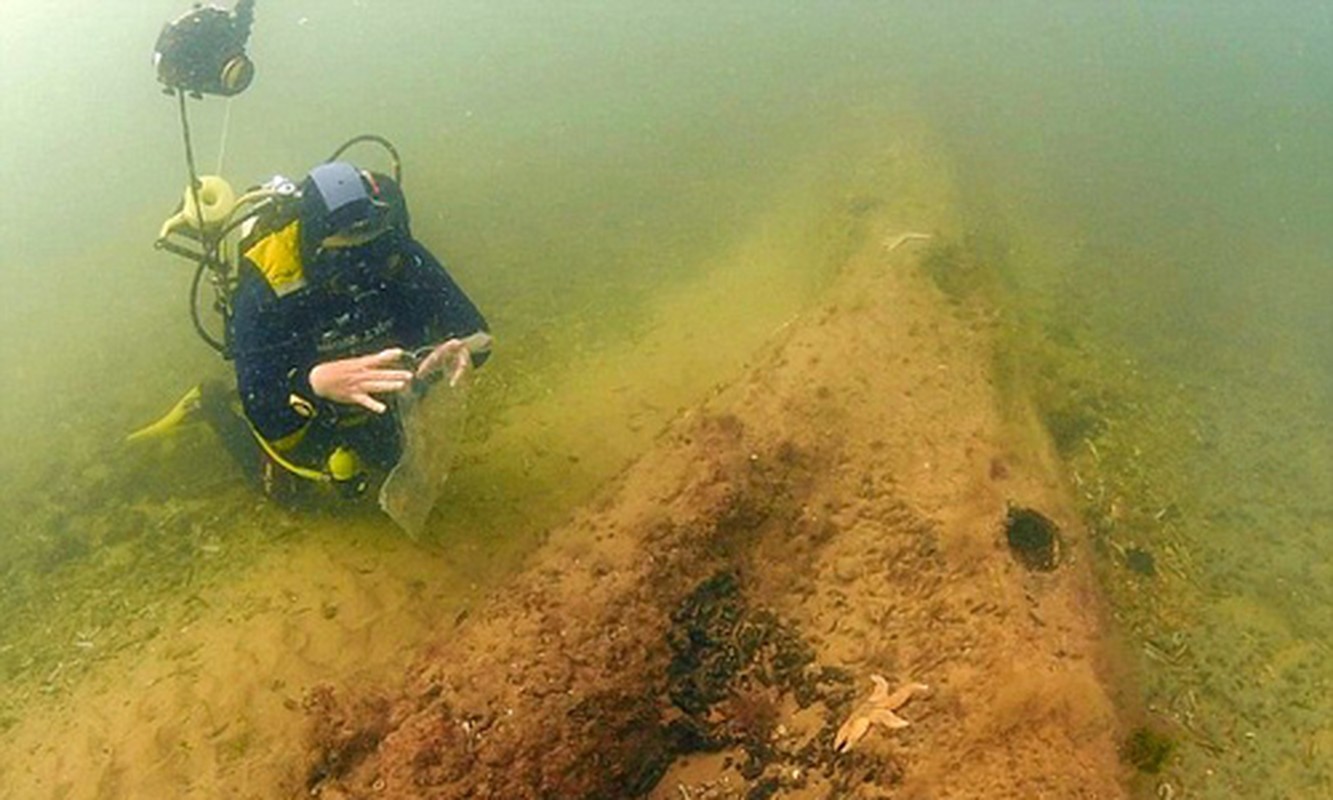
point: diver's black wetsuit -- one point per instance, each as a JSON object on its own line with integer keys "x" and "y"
{"x": 390, "y": 292}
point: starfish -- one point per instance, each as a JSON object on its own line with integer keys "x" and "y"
{"x": 877, "y": 709}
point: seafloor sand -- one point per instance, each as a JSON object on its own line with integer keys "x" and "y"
{"x": 837, "y": 512}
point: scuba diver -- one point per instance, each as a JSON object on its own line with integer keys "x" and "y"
{"x": 336, "y": 309}
{"x": 335, "y": 316}
{"x": 335, "y": 312}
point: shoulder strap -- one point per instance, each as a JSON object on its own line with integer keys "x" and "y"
{"x": 277, "y": 256}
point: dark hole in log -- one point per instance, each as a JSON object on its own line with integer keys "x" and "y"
{"x": 1033, "y": 539}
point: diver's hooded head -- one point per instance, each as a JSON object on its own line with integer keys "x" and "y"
{"x": 344, "y": 207}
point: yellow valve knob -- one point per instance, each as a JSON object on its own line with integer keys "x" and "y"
{"x": 343, "y": 464}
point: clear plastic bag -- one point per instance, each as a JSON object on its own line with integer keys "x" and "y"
{"x": 431, "y": 415}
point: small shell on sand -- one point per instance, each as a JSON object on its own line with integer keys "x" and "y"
{"x": 894, "y": 242}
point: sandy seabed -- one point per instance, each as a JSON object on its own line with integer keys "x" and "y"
{"x": 701, "y": 630}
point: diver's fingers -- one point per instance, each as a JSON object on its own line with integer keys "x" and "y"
{"x": 380, "y": 387}
{"x": 403, "y": 376}
{"x": 437, "y": 356}
{"x": 348, "y": 380}
{"x": 390, "y": 356}
{"x": 366, "y": 401}
{"x": 428, "y": 363}
{"x": 461, "y": 364}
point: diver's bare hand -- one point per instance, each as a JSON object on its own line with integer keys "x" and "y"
{"x": 355, "y": 381}
{"x": 453, "y": 355}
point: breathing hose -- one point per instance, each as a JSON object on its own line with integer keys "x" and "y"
{"x": 374, "y": 139}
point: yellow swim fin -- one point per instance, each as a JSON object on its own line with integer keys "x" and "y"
{"x": 178, "y": 414}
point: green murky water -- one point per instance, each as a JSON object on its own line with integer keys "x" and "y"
{"x": 1150, "y": 180}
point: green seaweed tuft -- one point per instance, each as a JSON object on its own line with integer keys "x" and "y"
{"x": 1147, "y": 750}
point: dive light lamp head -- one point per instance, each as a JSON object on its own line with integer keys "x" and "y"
{"x": 203, "y": 51}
